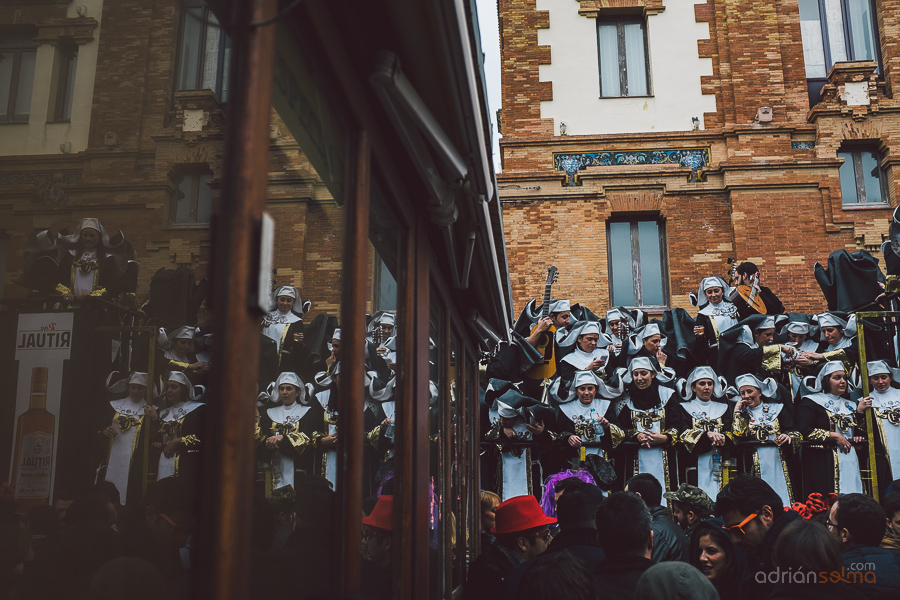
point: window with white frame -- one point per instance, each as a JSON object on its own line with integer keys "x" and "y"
{"x": 637, "y": 262}
{"x": 192, "y": 204}
{"x": 204, "y": 51}
{"x": 17, "y": 59}
{"x": 624, "y": 67}
{"x": 862, "y": 180}
{"x": 835, "y": 31}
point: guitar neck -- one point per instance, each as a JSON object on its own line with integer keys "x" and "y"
{"x": 545, "y": 308}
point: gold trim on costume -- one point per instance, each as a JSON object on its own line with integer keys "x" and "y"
{"x": 771, "y": 362}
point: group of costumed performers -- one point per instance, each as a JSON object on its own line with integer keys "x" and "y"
{"x": 740, "y": 387}
{"x": 86, "y": 263}
{"x": 147, "y": 441}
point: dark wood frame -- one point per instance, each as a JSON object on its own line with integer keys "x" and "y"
{"x": 635, "y": 258}
{"x": 620, "y": 22}
{"x": 848, "y": 35}
{"x": 221, "y": 67}
{"x": 858, "y": 176}
{"x": 14, "y": 84}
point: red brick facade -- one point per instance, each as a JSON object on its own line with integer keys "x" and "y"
{"x": 770, "y": 193}
{"x": 131, "y": 184}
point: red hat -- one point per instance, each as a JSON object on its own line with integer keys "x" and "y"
{"x": 519, "y": 514}
{"x": 382, "y": 515}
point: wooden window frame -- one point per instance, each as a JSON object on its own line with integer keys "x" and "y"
{"x": 17, "y": 50}
{"x": 200, "y": 43}
{"x": 636, "y": 263}
{"x": 855, "y": 152}
{"x": 620, "y": 22}
{"x": 848, "y": 34}
{"x": 196, "y": 173}
{"x": 68, "y": 66}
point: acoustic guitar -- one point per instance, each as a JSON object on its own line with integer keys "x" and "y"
{"x": 746, "y": 297}
{"x": 547, "y": 367}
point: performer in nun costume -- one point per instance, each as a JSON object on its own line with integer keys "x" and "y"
{"x": 283, "y": 323}
{"x": 885, "y": 402}
{"x": 716, "y": 314}
{"x": 619, "y": 324}
{"x": 749, "y": 347}
{"x": 586, "y": 422}
{"x": 290, "y": 432}
{"x": 764, "y": 434}
{"x": 179, "y": 428}
{"x": 517, "y": 427}
{"x": 380, "y": 413}
{"x": 801, "y": 338}
{"x": 708, "y": 420}
{"x": 132, "y": 421}
{"x": 177, "y": 351}
{"x": 651, "y": 418}
{"x": 584, "y": 348}
{"x": 829, "y": 418}
{"x": 91, "y": 263}
{"x": 838, "y": 342}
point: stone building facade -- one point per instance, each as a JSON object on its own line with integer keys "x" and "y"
{"x": 141, "y": 145}
{"x": 645, "y": 142}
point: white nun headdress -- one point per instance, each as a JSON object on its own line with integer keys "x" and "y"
{"x": 814, "y": 383}
{"x": 685, "y": 389}
{"x": 558, "y": 306}
{"x": 591, "y": 378}
{"x": 649, "y": 330}
{"x": 643, "y": 362}
{"x": 585, "y": 328}
{"x": 300, "y": 307}
{"x": 767, "y": 387}
{"x": 195, "y": 392}
{"x": 699, "y": 299}
{"x": 71, "y": 241}
{"x": 291, "y": 379}
{"x": 830, "y": 320}
{"x": 118, "y": 385}
{"x": 165, "y": 339}
{"x": 880, "y": 367}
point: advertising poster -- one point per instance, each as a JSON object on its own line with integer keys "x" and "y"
{"x": 49, "y": 376}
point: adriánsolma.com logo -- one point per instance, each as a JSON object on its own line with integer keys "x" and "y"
{"x": 855, "y": 573}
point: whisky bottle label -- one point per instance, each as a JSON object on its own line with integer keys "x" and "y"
{"x": 35, "y": 464}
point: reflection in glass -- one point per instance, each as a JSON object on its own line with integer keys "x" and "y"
{"x": 622, "y": 280}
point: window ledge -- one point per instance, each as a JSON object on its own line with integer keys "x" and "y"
{"x": 62, "y": 121}
{"x": 866, "y": 206}
{"x": 624, "y": 97}
{"x": 13, "y": 122}
{"x": 183, "y": 226}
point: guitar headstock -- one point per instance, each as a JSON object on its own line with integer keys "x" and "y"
{"x": 552, "y": 275}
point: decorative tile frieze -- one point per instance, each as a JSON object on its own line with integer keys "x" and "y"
{"x": 572, "y": 162}
{"x": 48, "y": 183}
{"x": 803, "y": 145}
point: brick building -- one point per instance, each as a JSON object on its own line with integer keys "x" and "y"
{"x": 116, "y": 110}
{"x": 647, "y": 141}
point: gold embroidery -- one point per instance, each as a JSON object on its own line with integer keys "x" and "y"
{"x": 771, "y": 362}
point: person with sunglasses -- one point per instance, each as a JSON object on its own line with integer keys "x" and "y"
{"x": 753, "y": 515}
{"x": 523, "y": 532}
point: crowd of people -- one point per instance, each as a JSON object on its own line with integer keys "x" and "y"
{"x": 691, "y": 400}
{"x": 743, "y": 546}
{"x": 748, "y": 420}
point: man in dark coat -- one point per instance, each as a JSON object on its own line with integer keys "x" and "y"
{"x": 858, "y": 522}
{"x": 754, "y": 516}
{"x": 577, "y": 512}
{"x": 745, "y": 273}
{"x": 523, "y": 532}
{"x": 669, "y": 542}
{"x": 623, "y": 530}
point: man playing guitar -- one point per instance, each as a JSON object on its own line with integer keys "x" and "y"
{"x": 745, "y": 276}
